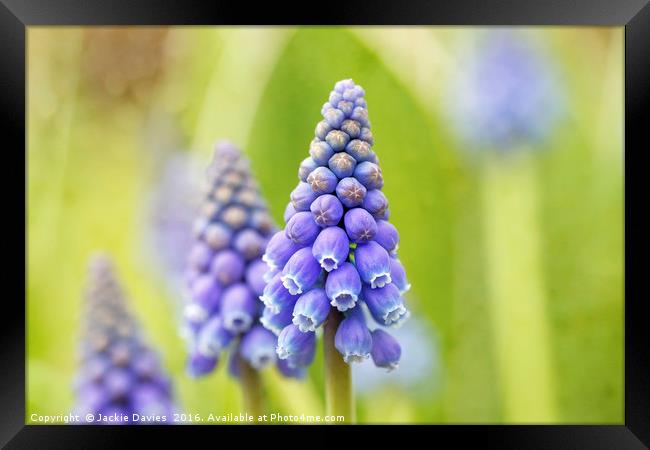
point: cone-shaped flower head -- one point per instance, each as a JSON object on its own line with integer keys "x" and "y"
{"x": 226, "y": 273}
{"x": 118, "y": 372}
{"x": 508, "y": 94}
{"x": 338, "y": 250}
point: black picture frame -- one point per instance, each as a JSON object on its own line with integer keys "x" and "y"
{"x": 634, "y": 15}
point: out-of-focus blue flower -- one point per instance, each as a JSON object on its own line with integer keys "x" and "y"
{"x": 169, "y": 210}
{"x": 227, "y": 267}
{"x": 118, "y": 371}
{"x": 337, "y": 245}
{"x": 255, "y": 276}
{"x": 226, "y": 274}
{"x": 258, "y": 347}
{"x": 238, "y": 308}
{"x": 214, "y": 337}
{"x": 200, "y": 364}
{"x": 508, "y": 94}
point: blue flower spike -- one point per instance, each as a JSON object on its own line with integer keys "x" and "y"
{"x": 236, "y": 245}
{"x": 118, "y": 372}
{"x": 336, "y": 260}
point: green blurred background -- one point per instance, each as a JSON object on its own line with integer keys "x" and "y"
{"x": 516, "y": 262}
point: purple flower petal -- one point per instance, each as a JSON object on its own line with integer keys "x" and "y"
{"x": 375, "y": 203}
{"x": 289, "y": 211}
{"x": 306, "y": 167}
{"x": 213, "y": 337}
{"x": 398, "y": 275}
{"x": 205, "y": 293}
{"x": 331, "y": 248}
{"x": 320, "y": 152}
{"x": 302, "y": 229}
{"x": 228, "y": 267}
{"x": 279, "y": 250}
{"x": 276, "y": 297}
{"x": 255, "y": 276}
{"x": 290, "y": 372}
{"x": 342, "y": 165}
{"x": 343, "y": 287}
{"x": 200, "y": 364}
{"x": 294, "y": 344}
{"x": 387, "y": 236}
{"x": 301, "y": 271}
{"x": 373, "y": 264}
{"x": 258, "y": 347}
{"x": 369, "y": 174}
{"x": 249, "y": 243}
{"x": 217, "y": 236}
{"x": 352, "y": 128}
{"x": 351, "y": 192}
{"x": 385, "y": 304}
{"x": 200, "y": 256}
{"x": 302, "y": 196}
{"x": 327, "y": 210}
{"x": 322, "y": 128}
{"x": 238, "y": 308}
{"x": 359, "y": 149}
{"x": 353, "y": 339}
{"x": 386, "y": 351}
{"x": 322, "y": 181}
{"x": 311, "y": 310}
{"x": 337, "y": 140}
{"x": 360, "y": 225}
{"x": 276, "y": 321}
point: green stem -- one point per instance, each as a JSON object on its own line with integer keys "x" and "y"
{"x": 516, "y": 290}
{"x": 338, "y": 376}
{"x": 251, "y": 385}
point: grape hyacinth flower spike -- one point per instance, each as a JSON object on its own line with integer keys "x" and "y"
{"x": 507, "y": 104}
{"x": 226, "y": 275}
{"x": 120, "y": 376}
{"x": 335, "y": 263}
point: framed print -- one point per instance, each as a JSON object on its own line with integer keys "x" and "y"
{"x": 394, "y": 215}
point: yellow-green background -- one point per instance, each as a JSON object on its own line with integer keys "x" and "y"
{"x": 515, "y": 262}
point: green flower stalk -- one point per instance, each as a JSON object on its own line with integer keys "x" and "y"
{"x": 506, "y": 104}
